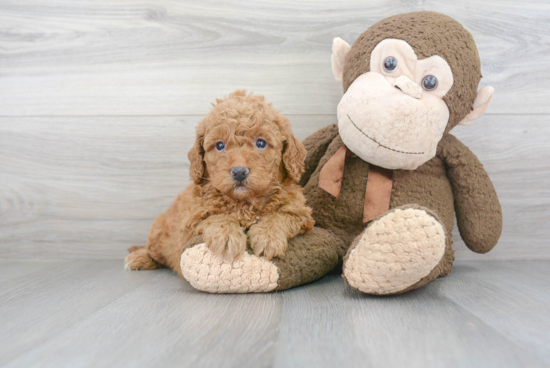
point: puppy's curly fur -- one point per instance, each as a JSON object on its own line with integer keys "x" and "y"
{"x": 260, "y": 213}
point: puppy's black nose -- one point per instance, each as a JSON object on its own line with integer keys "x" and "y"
{"x": 239, "y": 173}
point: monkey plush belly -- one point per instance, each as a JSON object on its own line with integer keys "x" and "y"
{"x": 427, "y": 186}
{"x": 342, "y": 216}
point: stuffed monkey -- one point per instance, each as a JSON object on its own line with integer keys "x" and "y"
{"x": 386, "y": 182}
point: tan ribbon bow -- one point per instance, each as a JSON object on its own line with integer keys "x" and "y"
{"x": 379, "y": 183}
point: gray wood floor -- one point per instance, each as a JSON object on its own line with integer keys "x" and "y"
{"x": 91, "y": 313}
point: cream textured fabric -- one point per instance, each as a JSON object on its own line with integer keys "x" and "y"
{"x": 340, "y": 50}
{"x": 388, "y": 128}
{"x": 481, "y": 104}
{"x": 208, "y": 272}
{"x": 408, "y": 87}
{"x": 395, "y": 252}
{"x": 409, "y": 66}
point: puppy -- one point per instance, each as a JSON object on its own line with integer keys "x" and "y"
{"x": 244, "y": 165}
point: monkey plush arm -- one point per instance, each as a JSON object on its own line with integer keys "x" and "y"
{"x": 478, "y": 211}
{"x": 316, "y": 145}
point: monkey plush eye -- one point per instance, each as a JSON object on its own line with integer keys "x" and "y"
{"x": 261, "y": 144}
{"x": 220, "y": 146}
{"x": 429, "y": 83}
{"x": 390, "y": 64}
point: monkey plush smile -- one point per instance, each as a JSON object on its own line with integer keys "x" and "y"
{"x": 380, "y": 144}
{"x": 397, "y": 106}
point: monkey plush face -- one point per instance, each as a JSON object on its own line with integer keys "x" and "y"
{"x": 405, "y": 87}
{"x": 395, "y": 112}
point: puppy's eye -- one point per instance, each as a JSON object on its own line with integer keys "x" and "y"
{"x": 220, "y": 146}
{"x": 261, "y": 144}
{"x": 429, "y": 83}
{"x": 390, "y": 64}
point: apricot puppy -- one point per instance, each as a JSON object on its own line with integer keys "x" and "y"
{"x": 244, "y": 165}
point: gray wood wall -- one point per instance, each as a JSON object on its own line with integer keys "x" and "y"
{"x": 99, "y": 100}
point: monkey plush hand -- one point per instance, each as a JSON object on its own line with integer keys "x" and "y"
{"x": 388, "y": 179}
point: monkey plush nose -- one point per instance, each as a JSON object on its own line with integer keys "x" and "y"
{"x": 408, "y": 87}
{"x": 239, "y": 173}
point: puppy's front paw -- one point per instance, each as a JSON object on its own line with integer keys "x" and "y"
{"x": 267, "y": 242}
{"x": 227, "y": 240}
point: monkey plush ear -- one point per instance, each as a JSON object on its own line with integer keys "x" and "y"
{"x": 481, "y": 103}
{"x": 340, "y": 50}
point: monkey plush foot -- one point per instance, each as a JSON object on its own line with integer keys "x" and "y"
{"x": 395, "y": 252}
{"x": 308, "y": 258}
{"x": 208, "y": 272}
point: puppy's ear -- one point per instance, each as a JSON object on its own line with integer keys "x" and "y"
{"x": 196, "y": 157}
{"x": 294, "y": 155}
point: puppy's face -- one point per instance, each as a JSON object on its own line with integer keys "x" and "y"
{"x": 245, "y": 148}
{"x": 243, "y": 159}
